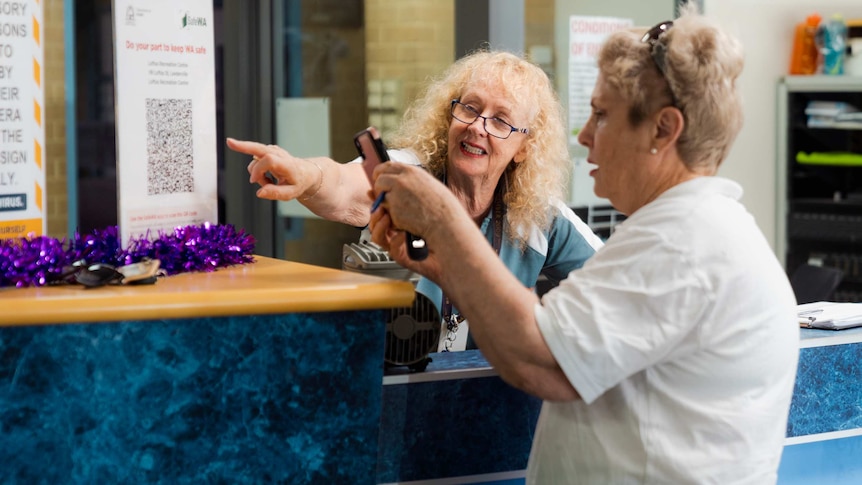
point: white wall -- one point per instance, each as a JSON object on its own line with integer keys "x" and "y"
{"x": 765, "y": 28}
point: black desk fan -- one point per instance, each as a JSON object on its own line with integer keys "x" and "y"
{"x": 411, "y": 332}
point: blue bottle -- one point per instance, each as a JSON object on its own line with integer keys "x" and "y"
{"x": 832, "y": 40}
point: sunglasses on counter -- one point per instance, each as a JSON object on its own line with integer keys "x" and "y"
{"x": 101, "y": 274}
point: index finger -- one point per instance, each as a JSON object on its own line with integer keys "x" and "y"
{"x": 252, "y": 148}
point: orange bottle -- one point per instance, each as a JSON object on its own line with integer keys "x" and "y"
{"x": 804, "y": 57}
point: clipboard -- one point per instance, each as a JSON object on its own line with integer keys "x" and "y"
{"x": 829, "y": 315}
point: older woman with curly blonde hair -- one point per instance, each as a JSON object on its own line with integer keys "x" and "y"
{"x": 531, "y": 184}
{"x": 491, "y": 129}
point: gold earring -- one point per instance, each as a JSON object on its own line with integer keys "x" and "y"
{"x": 653, "y": 150}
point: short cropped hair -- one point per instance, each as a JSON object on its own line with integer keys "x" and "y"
{"x": 543, "y": 174}
{"x": 702, "y": 64}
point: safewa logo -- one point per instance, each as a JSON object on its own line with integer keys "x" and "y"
{"x": 192, "y": 21}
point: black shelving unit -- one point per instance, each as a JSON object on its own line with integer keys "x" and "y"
{"x": 819, "y": 206}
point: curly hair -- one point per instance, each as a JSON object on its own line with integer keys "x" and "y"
{"x": 701, "y": 65}
{"x": 531, "y": 184}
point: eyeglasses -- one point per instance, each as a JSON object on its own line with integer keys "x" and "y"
{"x": 493, "y": 126}
{"x": 658, "y": 51}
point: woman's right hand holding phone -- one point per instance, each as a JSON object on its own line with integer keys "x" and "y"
{"x": 416, "y": 203}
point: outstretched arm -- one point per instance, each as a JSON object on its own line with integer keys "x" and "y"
{"x": 335, "y": 191}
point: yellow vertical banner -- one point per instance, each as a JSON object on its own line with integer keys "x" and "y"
{"x": 36, "y": 30}
{"x": 22, "y": 127}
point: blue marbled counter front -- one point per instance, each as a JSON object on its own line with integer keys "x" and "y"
{"x": 458, "y": 422}
{"x": 291, "y": 398}
{"x": 456, "y": 419}
{"x": 824, "y": 429}
{"x": 828, "y": 392}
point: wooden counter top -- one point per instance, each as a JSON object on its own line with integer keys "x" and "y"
{"x": 263, "y": 287}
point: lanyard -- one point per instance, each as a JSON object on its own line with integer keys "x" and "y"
{"x": 451, "y": 319}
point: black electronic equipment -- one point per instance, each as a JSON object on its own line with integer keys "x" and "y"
{"x": 411, "y": 332}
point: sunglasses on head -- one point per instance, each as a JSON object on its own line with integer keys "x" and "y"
{"x": 658, "y": 50}
{"x": 652, "y": 35}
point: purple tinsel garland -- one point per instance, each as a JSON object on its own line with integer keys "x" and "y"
{"x": 35, "y": 261}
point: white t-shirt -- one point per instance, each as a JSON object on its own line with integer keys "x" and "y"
{"x": 680, "y": 336}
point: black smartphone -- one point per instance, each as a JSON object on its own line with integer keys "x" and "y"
{"x": 373, "y": 152}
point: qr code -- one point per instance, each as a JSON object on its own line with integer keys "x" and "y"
{"x": 170, "y": 157}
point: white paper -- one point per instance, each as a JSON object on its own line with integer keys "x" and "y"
{"x": 829, "y": 315}
{"x": 166, "y": 115}
{"x": 22, "y": 120}
{"x": 586, "y": 35}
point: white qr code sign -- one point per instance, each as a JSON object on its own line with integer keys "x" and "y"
{"x": 170, "y": 151}
{"x": 166, "y": 128}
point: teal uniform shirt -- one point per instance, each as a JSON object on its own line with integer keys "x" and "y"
{"x": 553, "y": 252}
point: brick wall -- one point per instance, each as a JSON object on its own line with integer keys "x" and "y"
{"x": 407, "y": 42}
{"x": 538, "y": 23}
{"x": 411, "y": 40}
{"x": 539, "y": 34}
{"x": 55, "y": 119}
